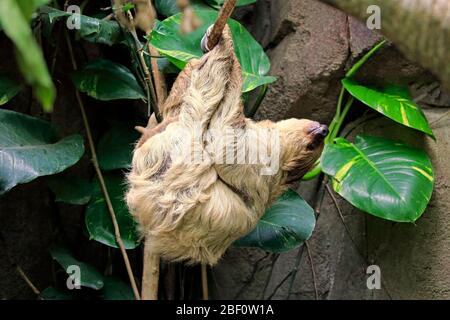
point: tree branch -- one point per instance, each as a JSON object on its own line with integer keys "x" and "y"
{"x": 100, "y": 178}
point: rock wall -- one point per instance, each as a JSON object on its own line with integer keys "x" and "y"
{"x": 311, "y": 46}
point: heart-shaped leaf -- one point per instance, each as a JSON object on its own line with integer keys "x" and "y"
{"x": 72, "y": 190}
{"x": 89, "y": 276}
{"x": 106, "y": 80}
{"x": 116, "y": 289}
{"x": 14, "y": 18}
{"x": 8, "y": 89}
{"x": 29, "y": 148}
{"x": 51, "y": 293}
{"x": 285, "y": 225}
{"x": 91, "y": 29}
{"x": 168, "y": 8}
{"x": 390, "y": 180}
{"x": 180, "y": 48}
{"x": 393, "y": 102}
{"x": 115, "y": 148}
{"x": 98, "y": 219}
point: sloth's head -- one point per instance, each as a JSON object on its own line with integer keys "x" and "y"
{"x": 302, "y": 143}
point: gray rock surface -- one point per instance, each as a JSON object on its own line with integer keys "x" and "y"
{"x": 308, "y": 50}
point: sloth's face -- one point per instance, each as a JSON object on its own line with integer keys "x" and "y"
{"x": 302, "y": 144}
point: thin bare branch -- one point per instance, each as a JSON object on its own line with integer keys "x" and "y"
{"x": 101, "y": 179}
{"x": 338, "y": 209}
{"x": 313, "y": 272}
{"x": 27, "y": 280}
{"x": 204, "y": 272}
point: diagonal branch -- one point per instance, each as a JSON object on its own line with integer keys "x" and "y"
{"x": 101, "y": 179}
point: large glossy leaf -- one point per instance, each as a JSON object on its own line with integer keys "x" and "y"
{"x": 89, "y": 276}
{"x": 91, "y": 29}
{"x": 98, "y": 219}
{"x": 168, "y": 8}
{"x": 382, "y": 177}
{"x": 116, "y": 147}
{"x": 72, "y": 190}
{"x": 8, "y": 89}
{"x": 393, "y": 102}
{"x": 14, "y": 17}
{"x": 51, "y": 293}
{"x": 29, "y": 148}
{"x": 106, "y": 80}
{"x": 29, "y": 6}
{"x": 116, "y": 289}
{"x": 181, "y": 48}
{"x": 284, "y": 226}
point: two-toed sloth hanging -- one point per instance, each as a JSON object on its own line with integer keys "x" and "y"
{"x": 198, "y": 182}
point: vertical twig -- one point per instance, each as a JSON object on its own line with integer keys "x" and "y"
{"x": 204, "y": 272}
{"x": 150, "y": 274}
{"x": 148, "y": 78}
{"x": 365, "y": 262}
{"x": 313, "y": 272}
{"x": 100, "y": 178}
{"x": 269, "y": 277}
{"x": 158, "y": 77}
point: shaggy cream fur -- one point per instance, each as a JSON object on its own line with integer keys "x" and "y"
{"x": 195, "y": 211}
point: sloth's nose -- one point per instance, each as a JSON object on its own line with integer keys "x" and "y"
{"x": 318, "y": 130}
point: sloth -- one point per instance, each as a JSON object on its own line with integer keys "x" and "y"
{"x": 193, "y": 211}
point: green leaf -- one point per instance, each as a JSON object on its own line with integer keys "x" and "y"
{"x": 180, "y": 48}
{"x": 8, "y": 89}
{"x": 29, "y": 6}
{"x": 29, "y": 148}
{"x": 168, "y": 8}
{"x": 115, "y": 149}
{"x": 51, "y": 293}
{"x": 387, "y": 179}
{"x": 106, "y": 80}
{"x": 72, "y": 190}
{"x": 165, "y": 66}
{"x": 116, "y": 289}
{"x": 28, "y": 54}
{"x": 91, "y": 29}
{"x": 98, "y": 219}
{"x": 285, "y": 225}
{"x": 128, "y": 6}
{"x": 393, "y": 102}
{"x": 90, "y": 277}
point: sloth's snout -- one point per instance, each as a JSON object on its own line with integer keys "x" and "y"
{"x": 317, "y": 132}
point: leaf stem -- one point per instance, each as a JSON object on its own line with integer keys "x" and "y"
{"x": 261, "y": 95}
{"x": 364, "y": 59}
{"x": 101, "y": 179}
